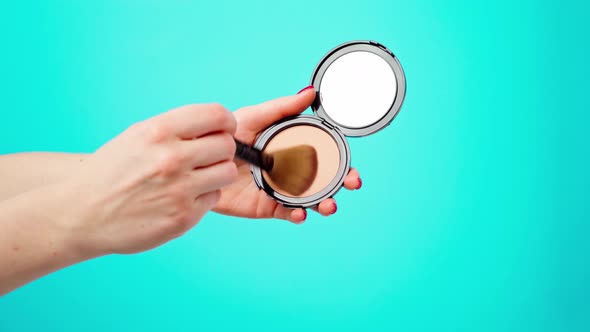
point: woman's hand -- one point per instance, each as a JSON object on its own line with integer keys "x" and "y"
{"x": 153, "y": 182}
{"x": 243, "y": 198}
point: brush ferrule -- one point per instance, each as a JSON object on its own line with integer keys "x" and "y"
{"x": 253, "y": 156}
{"x": 267, "y": 162}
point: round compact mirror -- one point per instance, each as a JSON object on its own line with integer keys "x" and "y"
{"x": 360, "y": 88}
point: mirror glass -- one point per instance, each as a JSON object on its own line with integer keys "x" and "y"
{"x": 358, "y": 89}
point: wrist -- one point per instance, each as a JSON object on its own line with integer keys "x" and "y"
{"x": 66, "y": 224}
{"x": 35, "y": 238}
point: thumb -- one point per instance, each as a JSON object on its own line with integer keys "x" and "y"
{"x": 258, "y": 117}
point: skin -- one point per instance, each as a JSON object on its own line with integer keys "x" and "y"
{"x": 242, "y": 198}
{"x": 147, "y": 186}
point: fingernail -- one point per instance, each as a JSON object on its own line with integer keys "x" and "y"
{"x": 360, "y": 184}
{"x": 304, "y": 89}
{"x": 334, "y": 209}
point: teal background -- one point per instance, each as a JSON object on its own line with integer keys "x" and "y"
{"x": 476, "y": 219}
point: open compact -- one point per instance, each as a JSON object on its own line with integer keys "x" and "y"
{"x": 360, "y": 87}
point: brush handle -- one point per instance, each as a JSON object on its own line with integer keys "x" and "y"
{"x": 253, "y": 156}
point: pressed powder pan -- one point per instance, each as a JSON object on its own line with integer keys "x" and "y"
{"x": 360, "y": 87}
{"x": 328, "y": 155}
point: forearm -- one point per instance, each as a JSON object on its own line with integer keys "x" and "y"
{"x": 35, "y": 238}
{"x": 22, "y": 172}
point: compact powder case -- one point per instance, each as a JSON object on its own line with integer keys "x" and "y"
{"x": 360, "y": 87}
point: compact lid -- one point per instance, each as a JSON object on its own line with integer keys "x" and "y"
{"x": 360, "y": 87}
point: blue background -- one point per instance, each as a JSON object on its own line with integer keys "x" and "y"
{"x": 474, "y": 214}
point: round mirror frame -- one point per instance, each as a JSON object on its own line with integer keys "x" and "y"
{"x": 367, "y": 46}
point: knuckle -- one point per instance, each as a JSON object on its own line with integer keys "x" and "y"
{"x": 217, "y": 112}
{"x": 228, "y": 145}
{"x": 230, "y": 171}
{"x": 214, "y": 198}
{"x": 168, "y": 163}
{"x": 232, "y": 123}
{"x": 151, "y": 131}
{"x": 182, "y": 222}
{"x": 217, "y": 107}
{"x": 182, "y": 213}
{"x": 209, "y": 200}
{"x": 221, "y": 116}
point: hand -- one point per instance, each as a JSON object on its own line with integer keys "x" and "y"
{"x": 153, "y": 182}
{"x": 243, "y": 198}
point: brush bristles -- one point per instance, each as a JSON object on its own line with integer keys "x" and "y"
{"x": 294, "y": 169}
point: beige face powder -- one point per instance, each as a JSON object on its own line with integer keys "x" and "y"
{"x": 326, "y": 148}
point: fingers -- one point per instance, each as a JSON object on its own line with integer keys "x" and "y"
{"x": 207, "y": 150}
{"x": 327, "y": 207}
{"x": 296, "y": 216}
{"x": 207, "y": 201}
{"x": 214, "y": 177}
{"x": 353, "y": 180}
{"x": 192, "y": 121}
{"x": 259, "y": 117}
{"x": 203, "y": 204}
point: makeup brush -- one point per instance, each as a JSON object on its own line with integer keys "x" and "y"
{"x": 292, "y": 169}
